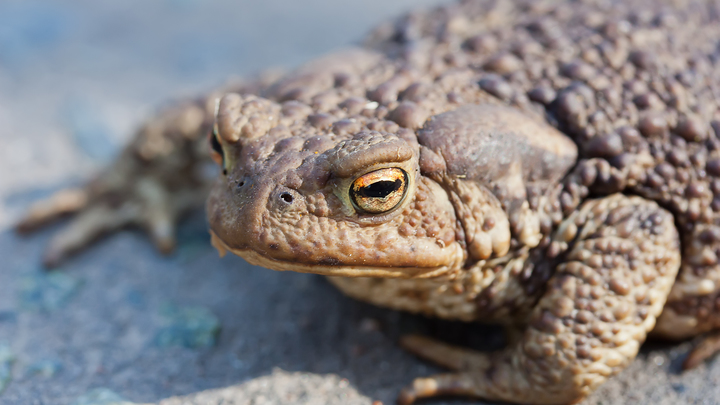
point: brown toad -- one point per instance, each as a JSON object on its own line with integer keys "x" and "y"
{"x": 549, "y": 166}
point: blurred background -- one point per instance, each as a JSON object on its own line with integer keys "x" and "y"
{"x": 122, "y": 323}
{"x": 77, "y": 76}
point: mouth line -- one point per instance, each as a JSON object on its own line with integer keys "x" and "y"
{"x": 257, "y": 259}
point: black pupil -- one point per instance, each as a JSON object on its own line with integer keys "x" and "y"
{"x": 381, "y": 189}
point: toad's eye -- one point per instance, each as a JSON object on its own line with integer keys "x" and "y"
{"x": 217, "y": 153}
{"x": 379, "y": 191}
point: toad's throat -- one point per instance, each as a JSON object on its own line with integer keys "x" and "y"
{"x": 258, "y": 259}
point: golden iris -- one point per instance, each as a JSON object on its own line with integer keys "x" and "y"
{"x": 379, "y": 191}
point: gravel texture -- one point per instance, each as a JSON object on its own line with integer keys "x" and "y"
{"x": 121, "y": 324}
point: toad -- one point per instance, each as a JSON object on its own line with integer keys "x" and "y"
{"x": 548, "y": 166}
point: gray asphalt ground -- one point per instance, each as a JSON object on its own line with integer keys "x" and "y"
{"x": 121, "y": 322}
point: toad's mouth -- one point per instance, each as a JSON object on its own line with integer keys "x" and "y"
{"x": 258, "y": 259}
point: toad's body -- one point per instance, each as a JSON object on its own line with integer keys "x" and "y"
{"x": 535, "y": 164}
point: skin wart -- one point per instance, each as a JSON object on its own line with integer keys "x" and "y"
{"x": 551, "y": 166}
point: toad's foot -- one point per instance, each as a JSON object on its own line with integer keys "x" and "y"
{"x": 150, "y": 207}
{"x": 156, "y": 179}
{"x": 599, "y": 305}
{"x": 708, "y": 347}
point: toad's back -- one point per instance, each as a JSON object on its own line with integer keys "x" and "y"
{"x": 635, "y": 84}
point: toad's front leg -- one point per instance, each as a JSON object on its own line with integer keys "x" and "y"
{"x": 599, "y": 306}
{"x": 157, "y": 178}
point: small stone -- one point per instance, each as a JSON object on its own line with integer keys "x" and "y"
{"x": 192, "y": 327}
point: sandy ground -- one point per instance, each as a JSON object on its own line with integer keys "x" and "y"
{"x": 122, "y": 323}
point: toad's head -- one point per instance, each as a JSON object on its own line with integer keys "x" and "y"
{"x": 316, "y": 193}
{"x": 348, "y": 192}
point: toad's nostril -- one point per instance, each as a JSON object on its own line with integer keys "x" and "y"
{"x": 287, "y": 197}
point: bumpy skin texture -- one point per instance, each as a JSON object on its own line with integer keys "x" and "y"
{"x": 550, "y": 158}
{"x": 597, "y": 308}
